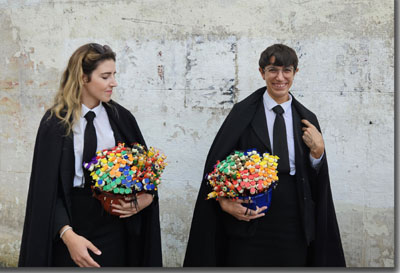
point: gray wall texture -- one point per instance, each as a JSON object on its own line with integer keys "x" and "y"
{"x": 182, "y": 64}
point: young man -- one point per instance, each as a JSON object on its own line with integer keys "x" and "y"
{"x": 300, "y": 227}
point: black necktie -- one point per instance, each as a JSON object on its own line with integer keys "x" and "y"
{"x": 280, "y": 141}
{"x": 90, "y": 144}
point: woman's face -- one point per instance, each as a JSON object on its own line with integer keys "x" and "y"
{"x": 101, "y": 84}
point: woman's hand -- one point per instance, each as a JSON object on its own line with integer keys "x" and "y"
{"x": 78, "y": 249}
{"x": 234, "y": 208}
{"x": 127, "y": 208}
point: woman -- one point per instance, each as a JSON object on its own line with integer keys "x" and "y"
{"x": 64, "y": 224}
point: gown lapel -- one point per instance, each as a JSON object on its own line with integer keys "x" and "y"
{"x": 259, "y": 124}
{"x": 112, "y": 116}
{"x": 297, "y": 134}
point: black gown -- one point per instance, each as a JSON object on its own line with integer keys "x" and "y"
{"x": 52, "y": 177}
{"x": 215, "y": 235}
{"x": 278, "y": 239}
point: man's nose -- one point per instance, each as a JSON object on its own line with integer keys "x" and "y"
{"x": 279, "y": 76}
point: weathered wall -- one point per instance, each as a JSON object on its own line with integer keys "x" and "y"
{"x": 182, "y": 65}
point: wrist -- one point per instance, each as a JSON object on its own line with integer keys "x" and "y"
{"x": 67, "y": 236}
{"x": 150, "y": 195}
{"x": 64, "y": 229}
{"x": 66, "y": 233}
{"x": 316, "y": 153}
{"x": 222, "y": 202}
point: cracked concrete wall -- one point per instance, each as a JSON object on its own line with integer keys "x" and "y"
{"x": 181, "y": 66}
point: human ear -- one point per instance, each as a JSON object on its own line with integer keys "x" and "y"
{"x": 85, "y": 78}
{"x": 262, "y": 72}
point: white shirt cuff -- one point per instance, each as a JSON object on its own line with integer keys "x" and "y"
{"x": 316, "y": 162}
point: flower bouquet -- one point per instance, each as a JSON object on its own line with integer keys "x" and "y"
{"x": 122, "y": 172}
{"x": 245, "y": 175}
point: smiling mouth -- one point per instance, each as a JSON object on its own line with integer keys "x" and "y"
{"x": 280, "y": 85}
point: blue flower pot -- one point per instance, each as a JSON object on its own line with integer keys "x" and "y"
{"x": 259, "y": 200}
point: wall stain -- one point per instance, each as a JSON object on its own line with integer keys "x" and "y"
{"x": 160, "y": 72}
{"x": 9, "y": 106}
{"x": 8, "y": 84}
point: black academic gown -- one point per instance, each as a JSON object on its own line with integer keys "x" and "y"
{"x": 245, "y": 127}
{"x": 52, "y": 177}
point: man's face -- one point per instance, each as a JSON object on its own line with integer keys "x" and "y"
{"x": 279, "y": 79}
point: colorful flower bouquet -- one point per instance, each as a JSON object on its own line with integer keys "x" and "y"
{"x": 245, "y": 175}
{"x": 122, "y": 172}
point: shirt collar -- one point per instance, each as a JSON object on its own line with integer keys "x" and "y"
{"x": 96, "y": 110}
{"x": 271, "y": 103}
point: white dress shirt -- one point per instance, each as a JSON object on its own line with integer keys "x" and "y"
{"x": 269, "y": 103}
{"x": 104, "y": 134}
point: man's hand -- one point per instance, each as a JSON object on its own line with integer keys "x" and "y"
{"x": 127, "y": 208}
{"x": 78, "y": 249}
{"x": 313, "y": 139}
{"x": 234, "y": 208}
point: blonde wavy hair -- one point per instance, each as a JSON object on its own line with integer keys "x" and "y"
{"x": 67, "y": 102}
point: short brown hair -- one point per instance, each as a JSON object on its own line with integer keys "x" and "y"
{"x": 284, "y": 56}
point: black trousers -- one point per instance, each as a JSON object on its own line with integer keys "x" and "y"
{"x": 279, "y": 238}
{"x": 109, "y": 233}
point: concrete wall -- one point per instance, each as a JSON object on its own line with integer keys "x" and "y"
{"x": 181, "y": 66}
